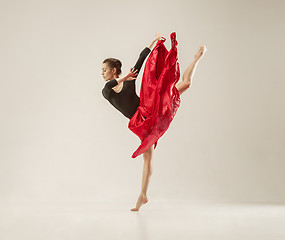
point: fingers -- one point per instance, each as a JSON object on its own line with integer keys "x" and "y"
{"x": 158, "y": 36}
{"x": 134, "y": 73}
{"x": 133, "y": 69}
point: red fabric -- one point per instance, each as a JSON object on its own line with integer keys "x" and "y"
{"x": 159, "y": 98}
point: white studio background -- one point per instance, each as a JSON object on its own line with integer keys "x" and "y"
{"x": 61, "y": 141}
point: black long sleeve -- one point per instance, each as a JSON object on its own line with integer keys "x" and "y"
{"x": 108, "y": 88}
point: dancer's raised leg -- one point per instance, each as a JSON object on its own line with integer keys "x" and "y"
{"x": 190, "y": 70}
{"x": 147, "y": 172}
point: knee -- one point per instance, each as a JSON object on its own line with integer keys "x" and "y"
{"x": 186, "y": 81}
{"x": 183, "y": 87}
{"x": 147, "y": 155}
{"x": 187, "y": 84}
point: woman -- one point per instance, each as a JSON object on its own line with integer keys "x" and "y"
{"x": 121, "y": 93}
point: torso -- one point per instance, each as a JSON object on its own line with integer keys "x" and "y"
{"x": 125, "y": 98}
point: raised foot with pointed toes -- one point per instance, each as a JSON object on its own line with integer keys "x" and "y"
{"x": 200, "y": 52}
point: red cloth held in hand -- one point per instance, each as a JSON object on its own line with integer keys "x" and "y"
{"x": 159, "y": 97}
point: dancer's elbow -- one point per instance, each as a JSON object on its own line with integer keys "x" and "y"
{"x": 105, "y": 93}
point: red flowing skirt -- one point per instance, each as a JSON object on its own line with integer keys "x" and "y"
{"x": 159, "y": 97}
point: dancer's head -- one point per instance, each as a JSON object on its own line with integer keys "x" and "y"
{"x": 111, "y": 68}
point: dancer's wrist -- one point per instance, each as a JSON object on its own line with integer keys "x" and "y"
{"x": 151, "y": 44}
{"x": 121, "y": 79}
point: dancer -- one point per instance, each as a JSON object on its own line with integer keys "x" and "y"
{"x": 120, "y": 92}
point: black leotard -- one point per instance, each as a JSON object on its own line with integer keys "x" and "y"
{"x": 126, "y": 101}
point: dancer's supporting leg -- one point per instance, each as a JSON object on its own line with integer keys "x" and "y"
{"x": 147, "y": 172}
{"x": 147, "y": 155}
{"x": 190, "y": 70}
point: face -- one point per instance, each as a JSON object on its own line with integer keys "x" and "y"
{"x": 107, "y": 72}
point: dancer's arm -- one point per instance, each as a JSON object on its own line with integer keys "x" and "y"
{"x": 130, "y": 76}
{"x": 156, "y": 38}
{"x": 112, "y": 83}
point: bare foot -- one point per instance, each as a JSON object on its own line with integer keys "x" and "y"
{"x": 200, "y": 52}
{"x": 141, "y": 200}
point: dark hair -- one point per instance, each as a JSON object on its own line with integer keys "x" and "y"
{"x": 114, "y": 63}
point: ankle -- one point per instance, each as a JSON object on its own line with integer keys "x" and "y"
{"x": 143, "y": 194}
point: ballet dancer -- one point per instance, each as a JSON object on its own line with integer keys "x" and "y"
{"x": 121, "y": 93}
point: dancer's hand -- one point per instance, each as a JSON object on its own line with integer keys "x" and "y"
{"x": 132, "y": 75}
{"x": 157, "y": 37}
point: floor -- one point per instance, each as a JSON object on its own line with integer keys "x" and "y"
{"x": 155, "y": 220}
